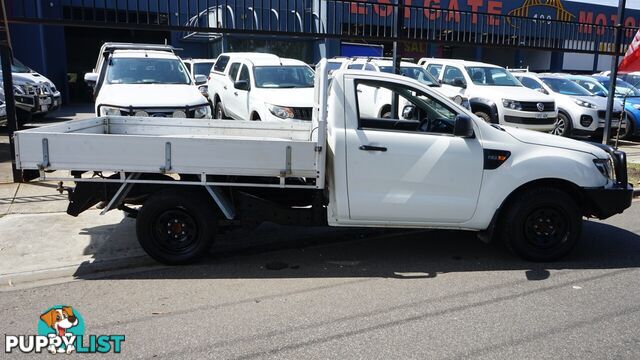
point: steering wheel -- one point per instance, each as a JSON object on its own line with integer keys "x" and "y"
{"x": 424, "y": 125}
{"x": 441, "y": 126}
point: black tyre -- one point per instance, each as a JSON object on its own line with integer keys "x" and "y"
{"x": 562, "y": 126}
{"x": 218, "y": 112}
{"x": 627, "y": 133}
{"x": 542, "y": 224}
{"x": 176, "y": 227}
{"x": 484, "y": 116}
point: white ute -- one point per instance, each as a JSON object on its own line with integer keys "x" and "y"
{"x": 441, "y": 168}
{"x": 495, "y": 95}
{"x": 145, "y": 80}
{"x": 261, "y": 87}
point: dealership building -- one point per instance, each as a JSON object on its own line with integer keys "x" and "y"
{"x": 65, "y": 52}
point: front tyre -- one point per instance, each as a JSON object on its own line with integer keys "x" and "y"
{"x": 562, "y": 126}
{"x": 218, "y": 112}
{"x": 542, "y": 224}
{"x": 176, "y": 227}
{"x": 484, "y": 116}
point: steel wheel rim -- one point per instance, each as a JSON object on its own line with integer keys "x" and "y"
{"x": 218, "y": 111}
{"x": 547, "y": 227}
{"x": 175, "y": 231}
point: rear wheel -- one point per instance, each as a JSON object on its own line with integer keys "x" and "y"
{"x": 562, "y": 126}
{"x": 542, "y": 224}
{"x": 176, "y": 227}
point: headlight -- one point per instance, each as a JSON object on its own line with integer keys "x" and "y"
{"x": 110, "y": 111}
{"x": 605, "y": 166}
{"x": 24, "y": 89}
{"x": 281, "y": 111}
{"x": 511, "y": 104}
{"x": 586, "y": 104}
{"x": 179, "y": 114}
{"x": 201, "y": 112}
{"x": 636, "y": 106}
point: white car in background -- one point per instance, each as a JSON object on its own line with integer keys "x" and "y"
{"x": 197, "y": 67}
{"x": 379, "y": 102}
{"x": 261, "y": 87}
{"x": 34, "y": 94}
{"x": 494, "y": 94}
{"x": 578, "y": 109}
{"x": 146, "y": 82}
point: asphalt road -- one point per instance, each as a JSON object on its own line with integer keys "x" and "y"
{"x": 422, "y": 295}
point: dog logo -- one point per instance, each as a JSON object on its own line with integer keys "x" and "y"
{"x": 60, "y": 320}
{"x": 61, "y": 330}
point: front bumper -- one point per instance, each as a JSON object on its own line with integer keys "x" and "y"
{"x": 604, "y": 202}
{"x": 38, "y": 104}
{"x": 540, "y": 121}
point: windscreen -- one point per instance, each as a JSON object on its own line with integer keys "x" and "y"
{"x": 623, "y": 88}
{"x": 283, "y": 77}
{"x": 146, "y": 71}
{"x": 491, "y": 76}
{"x": 18, "y": 67}
{"x": 566, "y": 87}
{"x": 203, "y": 68}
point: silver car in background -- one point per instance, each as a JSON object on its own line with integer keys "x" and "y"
{"x": 580, "y": 113}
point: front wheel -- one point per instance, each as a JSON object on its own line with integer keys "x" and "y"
{"x": 542, "y": 224}
{"x": 627, "y": 133}
{"x": 484, "y": 116}
{"x": 218, "y": 112}
{"x": 176, "y": 227}
{"x": 562, "y": 126}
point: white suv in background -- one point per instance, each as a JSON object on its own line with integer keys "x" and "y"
{"x": 145, "y": 80}
{"x": 261, "y": 87}
{"x": 202, "y": 67}
{"x": 577, "y": 108}
{"x": 495, "y": 95}
{"x": 382, "y": 102}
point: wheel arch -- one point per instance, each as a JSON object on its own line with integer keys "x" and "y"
{"x": 487, "y": 106}
{"x": 572, "y": 189}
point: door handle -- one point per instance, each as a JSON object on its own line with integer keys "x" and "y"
{"x": 235, "y": 93}
{"x": 225, "y": 87}
{"x": 372, "y": 148}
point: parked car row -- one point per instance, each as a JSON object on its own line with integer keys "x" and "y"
{"x": 151, "y": 80}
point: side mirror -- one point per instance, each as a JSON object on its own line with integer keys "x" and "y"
{"x": 600, "y": 93}
{"x": 91, "y": 79}
{"x": 200, "y": 79}
{"x": 241, "y": 85}
{"x": 541, "y": 90}
{"x": 459, "y": 83}
{"x": 463, "y": 127}
{"x": 408, "y": 112}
